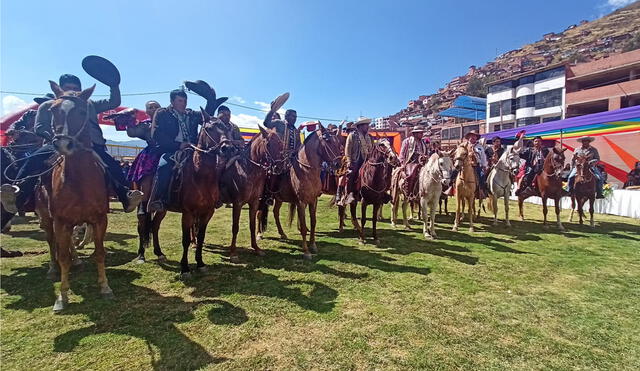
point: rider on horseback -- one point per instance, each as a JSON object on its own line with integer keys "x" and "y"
{"x": 175, "y": 128}
{"x": 480, "y": 164}
{"x": 534, "y": 160}
{"x": 413, "y": 150}
{"x": 356, "y": 150}
{"x": 494, "y": 152}
{"x": 592, "y": 153}
{"x": 14, "y": 196}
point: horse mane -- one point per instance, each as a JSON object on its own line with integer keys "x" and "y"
{"x": 308, "y": 138}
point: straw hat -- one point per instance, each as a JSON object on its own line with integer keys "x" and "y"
{"x": 419, "y": 129}
{"x": 472, "y": 132}
{"x": 582, "y": 139}
{"x": 362, "y": 121}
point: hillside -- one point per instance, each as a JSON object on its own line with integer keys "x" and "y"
{"x": 614, "y": 33}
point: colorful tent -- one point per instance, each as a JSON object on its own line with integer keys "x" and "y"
{"x": 617, "y": 136}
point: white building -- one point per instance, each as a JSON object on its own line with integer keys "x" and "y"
{"x": 379, "y": 123}
{"x": 526, "y": 99}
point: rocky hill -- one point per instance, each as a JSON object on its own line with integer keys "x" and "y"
{"x": 614, "y": 33}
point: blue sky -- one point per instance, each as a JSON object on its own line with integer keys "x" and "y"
{"x": 338, "y": 59}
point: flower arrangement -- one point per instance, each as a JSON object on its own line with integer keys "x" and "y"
{"x": 607, "y": 191}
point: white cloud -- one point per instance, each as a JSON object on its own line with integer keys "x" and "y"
{"x": 615, "y": 4}
{"x": 11, "y": 103}
{"x": 238, "y": 99}
{"x": 246, "y": 121}
{"x": 265, "y": 107}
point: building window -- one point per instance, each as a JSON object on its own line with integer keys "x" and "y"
{"x": 496, "y": 127}
{"x": 494, "y": 109}
{"x": 549, "y": 98}
{"x": 454, "y": 133}
{"x": 526, "y": 101}
{"x": 527, "y": 121}
{"x": 444, "y": 134}
{"x": 466, "y": 129}
{"x": 526, "y": 80}
{"x": 501, "y": 86}
{"x": 553, "y": 118}
{"x": 507, "y": 106}
{"x": 544, "y": 75}
{"x": 507, "y": 126}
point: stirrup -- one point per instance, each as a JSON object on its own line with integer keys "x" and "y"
{"x": 8, "y": 197}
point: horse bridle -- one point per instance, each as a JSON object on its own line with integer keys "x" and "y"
{"x": 271, "y": 165}
{"x": 65, "y": 127}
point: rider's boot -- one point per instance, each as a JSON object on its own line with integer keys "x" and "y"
{"x": 8, "y": 194}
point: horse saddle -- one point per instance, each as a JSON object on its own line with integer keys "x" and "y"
{"x": 175, "y": 185}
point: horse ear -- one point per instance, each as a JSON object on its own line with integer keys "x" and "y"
{"x": 321, "y": 128}
{"x": 56, "y": 89}
{"x": 564, "y": 149}
{"x": 263, "y": 131}
{"x": 452, "y": 152}
{"x": 205, "y": 116}
{"x": 86, "y": 93}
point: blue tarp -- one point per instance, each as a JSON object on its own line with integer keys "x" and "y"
{"x": 467, "y": 107}
{"x": 474, "y": 103}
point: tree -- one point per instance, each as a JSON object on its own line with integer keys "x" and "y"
{"x": 478, "y": 86}
{"x": 632, "y": 44}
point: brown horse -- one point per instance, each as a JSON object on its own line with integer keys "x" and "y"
{"x": 301, "y": 186}
{"x": 148, "y": 223}
{"x": 549, "y": 184}
{"x": 199, "y": 193}
{"x": 375, "y": 182}
{"x": 77, "y": 192}
{"x": 330, "y": 184}
{"x": 243, "y": 179}
{"x": 465, "y": 185}
{"x": 584, "y": 188}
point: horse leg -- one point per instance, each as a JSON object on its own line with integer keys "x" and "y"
{"x": 544, "y": 212}
{"x": 425, "y": 218}
{"x": 233, "y": 254}
{"x": 573, "y": 206}
{"x": 432, "y": 225}
{"x": 363, "y": 221}
{"x": 100, "y": 229}
{"x": 472, "y": 212}
{"x": 581, "y": 210}
{"x": 374, "y": 221}
{"x": 144, "y": 235}
{"x": 456, "y": 221}
{"x": 313, "y": 208}
{"x": 277, "y": 204}
{"x": 155, "y": 229}
{"x": 63, "y": 234}
{"x": 493, "y": 200}
{"x": 253, "y": 212}
{"x": 302, "y": 221}
{"x": 591, "y": 202}
{"x": 341, "y": 216}
{"x": 46, "y": 223}
{"x": 557, "y": 205}
{"x": 394, "y": 210}
{"x": 187, "y": 225}
{"x": 405, "y": 203}
{"x": 203, "y": 221}
{"x": 520, "y": 202}
{"x": 506, "y": 209}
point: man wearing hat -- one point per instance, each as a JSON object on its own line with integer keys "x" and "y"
{"x": 286, "y": 129}
{"x": 494, "y": 152}
{"x": 589, "y": 151}
{"x": 232, "y": 131}
{"x": 412, "y": 149}
{"x": 356, "y": 150}
{"x": 15, "y": 197}
{"x": 534, "y": 160}
{"x": 175, "y": 128}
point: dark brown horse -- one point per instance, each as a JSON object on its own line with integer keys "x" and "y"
{"x": 549, "y": 184}
{"x": 243, "y": 178}
{"x": 330, "y": 184}
{"x": 584, "y": 188}
{"x": 301, "y": 185}
{"x": 77, "y": 192}
{"x": 375, "y": 182}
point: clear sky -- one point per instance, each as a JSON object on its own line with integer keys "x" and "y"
{"x": 338, "y": 59}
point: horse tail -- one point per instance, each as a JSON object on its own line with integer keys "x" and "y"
{"x": 292, "y": 214}
{"x": 263, "y": 207}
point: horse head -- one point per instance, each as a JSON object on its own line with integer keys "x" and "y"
{"x": 460, "y": 156}
{"x": 70, "y": 119}
{"x": 511, "y": 160}
{"x": 444, "y": 167}
{"x": 582, "y": 168}
{"x": 211, "y": 140}
{"x": 271, "y": 150}
{"x": 557, "y": 160}
{"x": 331, "y": 148}
{"x": 388, "y": 154}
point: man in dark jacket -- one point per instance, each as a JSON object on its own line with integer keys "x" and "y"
{"x": 534, "y": 161}
{"x": 14, "y": 196}
{"x": 174, "y": 128}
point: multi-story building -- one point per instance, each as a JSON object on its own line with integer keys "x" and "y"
{"x": 526, "y": 99}
{"x": 603, "y": 85}
{"x": 380, "y": 123}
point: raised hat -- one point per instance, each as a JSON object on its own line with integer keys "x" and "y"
{"x": 590, "y": 139}
{"x": 102, "y": 70}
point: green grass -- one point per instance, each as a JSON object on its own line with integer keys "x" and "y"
{"x": 518, "y": 298}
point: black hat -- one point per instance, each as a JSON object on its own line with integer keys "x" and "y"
{"x": 44, "y": 98}
{"x": 102, "y": 70}
{"x": 68, "y": 78}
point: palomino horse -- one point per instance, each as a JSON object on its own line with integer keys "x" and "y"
{"x": 500, "y": 182}
{"x": 465, "y": 185}
{"x": 549, "y": 184}
{"x": 433, "y": 177}
{"x": 584, "y": 188}
{"x": 375, "y": 182}
{"x": 199, "y": 193}
{"x": 301, "y": 186}
{"x": 243, "y": 178}
{"x": 148, "y": 223}
{"x": 399, "y": 197}
{"x": 77, "y": 192}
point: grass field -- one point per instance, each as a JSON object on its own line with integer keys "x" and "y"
{"x": 518, "y": 298}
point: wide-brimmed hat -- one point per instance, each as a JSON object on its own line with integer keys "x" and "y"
{"x": 419, "y": 129}
{"x": 472, "y": 132}
{"x": 279, "y": 102}
{"x": 590, "y": 139}
{"x": 102, "y": 70}
{"x": 44, "y": 98}
{"x": 348, "y": 126}
{"x": 362, "y": 121}
{"x": 310, "y": 125}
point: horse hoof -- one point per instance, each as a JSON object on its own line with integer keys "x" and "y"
{"x": 361, "y": 242}
{"x": 162, "y": 258}
{"x": 307, "y": 257}
{"x": 235, "y": 259}
{"x": 185, "y": 276}
{"x": 313, "y": 248}
{"x": 455, "y": 229}
{"x": 259, "y": 237}
{"x": 376, "y": 241}
{"x": 139, "y": 259}
{"x": 203, "y": 269}
{"x": 471, "y": 230}
{"x": 341, "y": 229}
{"x": 260, "y": 252}
{"x": 60, "y": 305}
{"x": 108, "y": 295}
{"x": 508, "y": 224}
{"x": 407, "y": 228}
{"x": 393, "y": 225}
{"x": 284, "y": 237}
{"x": 53, "y": 275}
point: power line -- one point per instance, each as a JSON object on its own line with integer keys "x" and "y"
{"x": 167, "y": 92}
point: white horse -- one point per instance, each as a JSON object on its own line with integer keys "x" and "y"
{"x": 500, "y": 182}
{"x": 433, "y": 176}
